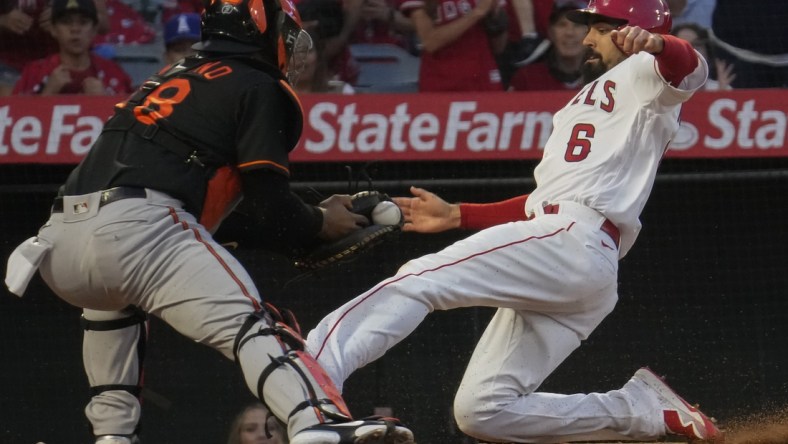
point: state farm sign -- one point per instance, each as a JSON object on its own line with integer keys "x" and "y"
{"x": 742, "y": 123}
{"x": 736, "y": 126}
{"x": 457, "y": 129}
{"x": 50, "y": 129}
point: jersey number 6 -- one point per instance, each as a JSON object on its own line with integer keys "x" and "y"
{"x": 579, "y": 145}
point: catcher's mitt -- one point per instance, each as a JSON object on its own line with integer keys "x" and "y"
{"x": 350, "y": 246}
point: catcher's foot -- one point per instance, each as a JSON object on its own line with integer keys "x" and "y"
{"x": 681, "y": 418}
{"x": 117, "y": 439}
{"x": 370, "y": 431}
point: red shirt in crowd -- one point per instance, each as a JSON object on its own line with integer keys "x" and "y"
{"x": 467, "y": 64}
{"x": 18, "y": 50}
{"x": 537, "y": 77}
{"x": 542, "y": 10}
{"x": 35, "y": 75}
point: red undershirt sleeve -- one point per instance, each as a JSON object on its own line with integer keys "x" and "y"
{"x": 677, "y": 59}
{"x": 480, "y": 216}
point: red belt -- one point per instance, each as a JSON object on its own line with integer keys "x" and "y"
{"x": 607, "y": 227}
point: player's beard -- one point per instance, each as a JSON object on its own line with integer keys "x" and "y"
{"x": 593, "y": 66}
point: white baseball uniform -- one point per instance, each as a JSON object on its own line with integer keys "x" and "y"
{"x": 553, "y": 278}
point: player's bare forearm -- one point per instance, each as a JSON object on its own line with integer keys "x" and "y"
{"x": 426, "y": 212}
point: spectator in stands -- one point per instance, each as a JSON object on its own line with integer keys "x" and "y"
{"x": 316, "y": 76}
{"x": 458, "y": 53}
{"x": 127, "y": 26}
{"x": 256, "y": 425}
{"x": 527, "y": 49}
{"x": 181, "y": 31}
{"x": 559, "y": 68}
{"x": 699, "y": 12}
{"x": 334, "y": 21}
{"x": 721, "y": 73}
{"x": 73, "y": 69}
{"x": 526, "y": 35}
{"x": 754, "y": 39}
{"x": 25, "y": 36}
{"x": 382, "y": 22}
{"x": 170, "y": 8}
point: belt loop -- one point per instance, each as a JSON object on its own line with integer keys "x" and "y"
{"x": 551, "y": 208}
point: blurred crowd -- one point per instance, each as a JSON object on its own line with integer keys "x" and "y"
{"x": 81, "y": 46}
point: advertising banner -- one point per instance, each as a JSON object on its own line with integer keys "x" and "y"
{"x": 412, "y": 127}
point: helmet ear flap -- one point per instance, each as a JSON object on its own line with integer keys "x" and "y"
{"x": 258, "y": 15}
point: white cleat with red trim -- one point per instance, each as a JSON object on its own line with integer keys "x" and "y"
{"x": 681, "y": 418}
{"x": 373, "y": 430}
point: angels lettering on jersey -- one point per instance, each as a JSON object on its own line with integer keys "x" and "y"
{"x": 605, "y": 100}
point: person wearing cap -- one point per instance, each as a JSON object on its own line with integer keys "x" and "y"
{"x": 181, "y": 31}
{"x": 559, "y": 68}
{"x": 73, "y": 69}
{"x": 25, "y": 36}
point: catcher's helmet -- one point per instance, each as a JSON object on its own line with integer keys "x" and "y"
{"x": 651, "y": 15}
{"x": 272, "y": 26}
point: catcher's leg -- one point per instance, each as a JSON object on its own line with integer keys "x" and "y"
{"x": 297, "y": 390}
{"x": 113, "y": 350}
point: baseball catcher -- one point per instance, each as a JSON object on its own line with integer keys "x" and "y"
{"x": 131, "y": 231}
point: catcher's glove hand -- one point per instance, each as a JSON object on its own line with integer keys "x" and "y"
{"x": 359, "y": 241}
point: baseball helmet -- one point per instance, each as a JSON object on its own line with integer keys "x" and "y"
{"x": 272, "y": 26}
{"x": 651, "y": 15}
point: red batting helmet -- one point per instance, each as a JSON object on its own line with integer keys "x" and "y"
{"x": 651, "y": 15}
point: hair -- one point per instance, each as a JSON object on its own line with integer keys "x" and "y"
{"x": 703, "y": 33}
{"x": 322, "y": 74}
{"x": 235, "y": 426}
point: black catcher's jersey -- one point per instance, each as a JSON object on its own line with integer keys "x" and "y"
{"x": 224, "y": 111}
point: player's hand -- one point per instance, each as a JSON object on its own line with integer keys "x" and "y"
{"x": 725, "y": 74}
{"x": 16, "y": 22}
{"x": 58, "y": 78}
{"x": 375, "y": 10}
{"x": 484, "y": 7}
{"x": 426, "y": 212}
{"x": 338, "y": 220}
{"x": 45, "y": 19}
{"x": 93, "y": 86}
{"x": 633, "y": 39}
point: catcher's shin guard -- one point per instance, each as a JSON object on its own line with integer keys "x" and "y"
{"x": 113, "y": 351}
{"x": 286, "y": 379}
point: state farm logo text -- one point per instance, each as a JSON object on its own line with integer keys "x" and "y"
{"x": 60, "y": 129}
{"x": 412, "y": 127}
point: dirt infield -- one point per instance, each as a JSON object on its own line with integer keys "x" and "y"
{"x": 760, "y": 428}
{"x": 768, "y": 427}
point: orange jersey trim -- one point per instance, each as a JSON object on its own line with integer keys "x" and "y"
{"x": 264, "y": 162}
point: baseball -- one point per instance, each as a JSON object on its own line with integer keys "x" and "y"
{"x": 386, "y": 213}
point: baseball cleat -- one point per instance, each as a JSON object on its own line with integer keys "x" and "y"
{"x": 377, "y": 431}
{"x": 681, "y": 418}
{"x": 117, "y": 439}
